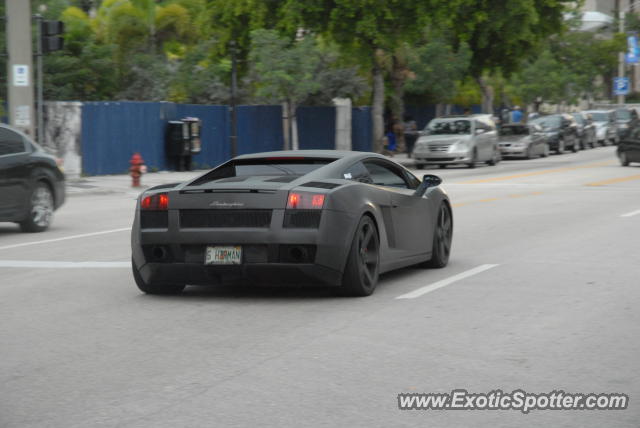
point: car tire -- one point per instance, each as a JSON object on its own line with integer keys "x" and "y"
{"x": 40, "y": 212}
{"x": 560, "y": 149}
{"x": 419, "y": 166}
{"x": 442, "y": 236}
{"x": 442, "y": 166}
{"x": 545, "y": 151}
{"x": 154, "y": 288}
{"x": 529, "y": 153}
{"x": 575, "y": 147}
{"x": 474, "y": 159}
{"x": 495, "y": 159}
{"x": 624, "y": 160}
{"x": 360, "y": 275}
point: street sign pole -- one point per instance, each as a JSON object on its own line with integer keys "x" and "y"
{"x": 621, "y": 65}
{"x": 19, "y": 65}
{"x": 40, "y": 97}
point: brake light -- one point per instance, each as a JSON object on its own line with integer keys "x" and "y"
{"x": 157, "y": 202}
{"x": 305, "y": 201}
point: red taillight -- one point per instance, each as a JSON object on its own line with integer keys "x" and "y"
{"x": 317, "y": 201}
{"x": 158, "y": 202}
{"x": 163, "y": 202}
{"x": 305, "y": 201}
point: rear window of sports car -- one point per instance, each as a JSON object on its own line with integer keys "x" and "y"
{"x": 264, "y": 167}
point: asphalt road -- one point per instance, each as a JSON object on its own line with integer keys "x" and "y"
{"x": 80, "y": 346}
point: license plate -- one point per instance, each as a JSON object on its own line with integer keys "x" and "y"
{"x": 230, "y": 255}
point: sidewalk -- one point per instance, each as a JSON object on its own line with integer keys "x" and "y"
{"x": 121, "y": 183}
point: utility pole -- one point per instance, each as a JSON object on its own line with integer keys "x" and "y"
{"x": 40, "y": 103}
{"x": 621, "y": 64}
{"x": 19, "y": 65}
{"x": 233, "y": 137}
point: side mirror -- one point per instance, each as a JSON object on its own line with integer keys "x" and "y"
{"x": 428, "y": 181}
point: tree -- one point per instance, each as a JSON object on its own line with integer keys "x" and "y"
{"x": 501, "y": 34}
{"x": 369, "y": 30}
{"x": 436, "y": 69}
{"x": 284, "y": 71}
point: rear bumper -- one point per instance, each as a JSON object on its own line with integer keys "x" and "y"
{"x": 258, "y": 274}
{"x": 267, "y": 255}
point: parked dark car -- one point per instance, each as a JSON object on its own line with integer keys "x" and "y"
{"x": 627, "y": 120}
{"x": 520, "y": 140}
{"x": 561, "y": 131}
{"x": 629, "y": 149}
{"x": 586, "y": 130}
{"x": 32, "y": 186}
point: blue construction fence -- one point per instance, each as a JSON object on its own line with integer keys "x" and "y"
{"x": 112, "y": 131}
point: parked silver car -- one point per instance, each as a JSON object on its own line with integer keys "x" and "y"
{"x": 606, "y": 127}
{"x": 458, "y": 140}
{"x": 525, "y": 141}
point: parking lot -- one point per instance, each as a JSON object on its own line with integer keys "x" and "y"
{"x": 541, "y": 294}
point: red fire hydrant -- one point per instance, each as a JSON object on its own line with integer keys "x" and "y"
{"x": 137, "y": 169}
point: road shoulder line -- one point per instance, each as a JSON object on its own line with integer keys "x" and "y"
{"x": 444, "y": 282}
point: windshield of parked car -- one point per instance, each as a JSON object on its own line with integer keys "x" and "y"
{"x": 440, "y": 127}
{"x": 548, "y": 122}
{"x": 276, "y": 166}
{"x": 514, "y": 130}
{"x": 623, "y": 114}
{"x": 600, "y": 117}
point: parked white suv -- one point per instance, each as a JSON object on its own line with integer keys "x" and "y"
{"x": 458, "y": 140}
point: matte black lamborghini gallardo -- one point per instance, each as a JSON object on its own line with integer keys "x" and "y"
{"x": 303, "y": 217}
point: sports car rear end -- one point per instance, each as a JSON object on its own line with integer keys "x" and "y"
{"x": 274, "y": 229}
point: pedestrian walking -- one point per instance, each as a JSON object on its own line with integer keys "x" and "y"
{"x": 410, "y": 133}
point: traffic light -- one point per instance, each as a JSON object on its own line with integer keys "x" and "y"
{"x": 51, "y": 35}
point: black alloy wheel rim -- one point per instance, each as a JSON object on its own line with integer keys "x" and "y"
{"x": 444, "y": 232}
{"x": 368, "y": 254}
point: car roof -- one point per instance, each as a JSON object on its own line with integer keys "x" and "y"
{"x": 326, "y": 154}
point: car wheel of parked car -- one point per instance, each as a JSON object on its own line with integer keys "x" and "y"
{"x": 361, "y": 272}
{"x": 442, "y": 166}
{"x": 545, "y": 150}
{"x": 574, "y": 147}
{"x": 41, "y": 208}
{"x": 560, "y": 149}
{"x": 495, "y": 159}
{"x": 624, "y": 160}
{"x": 419, "y": 166}
{"x": 474, "y": 159}
{"x": 441, "y": 239}
{"x": 154, "y": 288}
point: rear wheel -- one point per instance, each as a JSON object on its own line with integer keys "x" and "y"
{"x": 154, "y": 288}
{"x": 545, "y": 150}
{"x": 495, "y": 158}
{"x": 442, "y": 237}
{"x": 442, "y": 165}
{"x": 361, "y": 273}
{"x": 624, "y": 160}
{"x": 40, "y": 209}
{"x": 419, "y": 166}
{"x": 474, "y": 159}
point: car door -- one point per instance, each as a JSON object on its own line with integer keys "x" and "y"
{"x": 14, "y": 174}
{"x": 412, "y": 234}
{"x": 482, "y": 139}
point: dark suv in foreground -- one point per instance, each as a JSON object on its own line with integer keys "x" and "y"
{"x": 32, "y": 185}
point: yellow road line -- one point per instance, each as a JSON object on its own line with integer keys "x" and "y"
{"x": 614, "y": 180}
{"x": 519, "y": 195}
{"x": 534, "y": 173}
